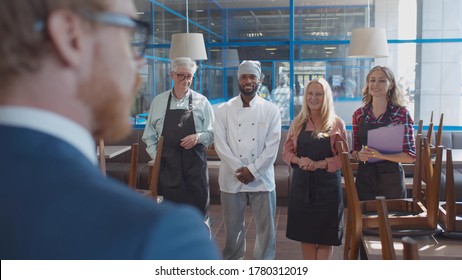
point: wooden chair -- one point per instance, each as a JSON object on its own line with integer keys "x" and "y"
{"x": 410, "y": 249}
{"x": 133, "y": 174}
{"x": 154, "y": 169}
{"x": 386, "y": 238}
{"x": 438, "y": 135}
{"x": 420, "y": 127}
{"x": 439, "y": 132}
{"x": 423, "y": 216}
{"x": 101, "y": 158}
{"x": 450, "y": 210}
{"x": 153, "y": 184}
{"x": 427, "y": 158}
{"x": 430, "y": 130}
{"x": 413, "y": 215}
{"x": 354, "y": 226}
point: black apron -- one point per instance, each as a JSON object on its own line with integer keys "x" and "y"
{"x": 383, "y": 178}
{"x": 315, "y": 208}
{"x": 183, "y": 173}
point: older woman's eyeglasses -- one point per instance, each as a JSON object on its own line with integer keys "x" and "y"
{"x": 182, "y": 77}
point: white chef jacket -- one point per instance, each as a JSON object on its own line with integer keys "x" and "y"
{"x": 247, "y": 137}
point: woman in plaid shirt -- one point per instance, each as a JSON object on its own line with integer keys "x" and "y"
{"x": 382, "y": 100}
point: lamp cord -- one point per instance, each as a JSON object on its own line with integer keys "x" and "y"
{"x": 187, "y": 16}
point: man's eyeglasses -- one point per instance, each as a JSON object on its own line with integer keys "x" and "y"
{"x": 141, "y": 30}
{"x": 182, "y": 77}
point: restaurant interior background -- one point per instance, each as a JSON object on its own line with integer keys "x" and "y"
{"x": 298, "y": 40}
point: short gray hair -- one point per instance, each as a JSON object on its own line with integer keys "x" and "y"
{"x": 184, "y": 62}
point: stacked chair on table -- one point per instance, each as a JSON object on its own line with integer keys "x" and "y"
{"x": 410, "y": 248}
{"x": 416, "y": 216}
{"x": 450, "y": 210}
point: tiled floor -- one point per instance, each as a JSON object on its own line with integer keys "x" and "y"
{"x": 286, "y": 249}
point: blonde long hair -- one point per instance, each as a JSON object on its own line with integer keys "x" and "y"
{"x": 327, "y": 114}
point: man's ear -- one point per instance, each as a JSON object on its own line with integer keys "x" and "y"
{"x": 67, "y": 35}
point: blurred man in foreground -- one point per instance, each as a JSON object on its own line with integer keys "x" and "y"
{"x": 68, "y": 74}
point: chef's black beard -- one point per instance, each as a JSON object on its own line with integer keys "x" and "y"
{"x": 242, "y": 90}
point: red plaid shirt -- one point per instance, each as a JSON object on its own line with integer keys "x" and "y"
{"x": 398, "y": 115}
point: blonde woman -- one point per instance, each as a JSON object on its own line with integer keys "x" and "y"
{"x": 316, "y": 200}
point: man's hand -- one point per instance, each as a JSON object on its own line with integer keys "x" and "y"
{"x": 189, "y": 141}
{"x": 244, "y": 175}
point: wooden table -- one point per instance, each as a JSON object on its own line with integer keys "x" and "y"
{"x": 430, "y": 247}
{"x": 408, "y": 181}
{"x": 113, "y": 151}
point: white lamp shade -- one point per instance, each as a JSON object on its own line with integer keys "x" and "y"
{"x": 368, "y": 42}
{"x": 232, "y": 58}
{"x": 188, "y": 45}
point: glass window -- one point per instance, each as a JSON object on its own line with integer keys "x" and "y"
{"x": 424, "y": 43}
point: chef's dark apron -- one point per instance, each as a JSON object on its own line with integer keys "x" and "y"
{"x": 315, "y": 208}
{"x": 382, "y": 178}
{"x": 183, "y": 172}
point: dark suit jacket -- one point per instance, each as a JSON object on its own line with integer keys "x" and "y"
{"x": 55, "y": 204}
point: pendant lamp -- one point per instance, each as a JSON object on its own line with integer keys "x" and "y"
{"x": 188, "y": 44}
{"x": 368, "y": 42}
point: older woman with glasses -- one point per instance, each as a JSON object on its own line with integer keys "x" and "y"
{"x": 184, "y": 118}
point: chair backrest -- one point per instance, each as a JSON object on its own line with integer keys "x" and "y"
{"x": 156, "y": 168}
{"x": 279, "y": 159}
{"x": 133, "y": 174}
{"x": 354, "y": 228}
